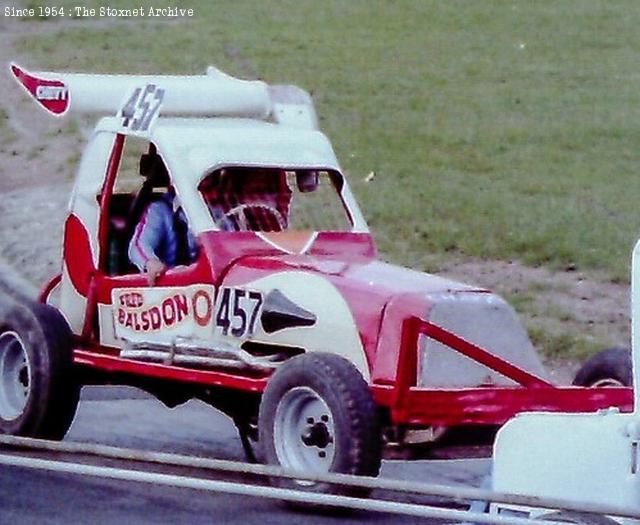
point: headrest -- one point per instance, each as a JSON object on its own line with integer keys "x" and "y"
{"x": 153, "y": 168}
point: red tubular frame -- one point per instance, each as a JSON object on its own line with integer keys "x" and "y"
{"x": 491, "y": 405}
{"x": 114, "y": 364}
{"x": 103, "y": 229}
{"x": 49, "y": 288}
{"x": 105, "y": 198}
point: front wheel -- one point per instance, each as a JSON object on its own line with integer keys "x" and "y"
{"x": 610, "y": 367}
{"x": 317, "y": 416}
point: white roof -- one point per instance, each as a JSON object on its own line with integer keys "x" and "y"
{"x": 206, "y": 143}
{"x": 193, "y": 147}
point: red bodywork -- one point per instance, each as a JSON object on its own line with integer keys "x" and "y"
{"x": 389, "y": 335}
{"x": 393, "y": 366}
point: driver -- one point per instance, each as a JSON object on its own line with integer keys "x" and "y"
{"x": 211, "y": 189}
{"x": 161, "y": 238}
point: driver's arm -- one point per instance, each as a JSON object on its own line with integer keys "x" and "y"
{"x": 150, "y": 235}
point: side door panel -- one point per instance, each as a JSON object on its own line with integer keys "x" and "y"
{"x": 180, "y": 304}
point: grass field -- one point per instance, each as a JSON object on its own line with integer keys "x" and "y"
{"x": 498, "y": 130}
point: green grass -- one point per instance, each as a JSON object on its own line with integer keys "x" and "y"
{"x": 501, "y": 130}
{"x": 559, "y": 346}
{"x": 4, "y": 120}
{"x": 498, "y": 130}
{"x": 7, "y": 135}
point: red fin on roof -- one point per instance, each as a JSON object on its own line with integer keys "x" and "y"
{"x": 52, "y": 95}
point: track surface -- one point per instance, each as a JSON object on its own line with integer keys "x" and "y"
{"x": 125, "y": 417}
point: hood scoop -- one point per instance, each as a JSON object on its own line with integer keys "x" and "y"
{"x": 279, "y": 313}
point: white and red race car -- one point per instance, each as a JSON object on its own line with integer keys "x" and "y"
{"x": 285, "y": 320}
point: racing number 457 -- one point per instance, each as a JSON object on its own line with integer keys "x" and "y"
{"x": 237, "y": 311}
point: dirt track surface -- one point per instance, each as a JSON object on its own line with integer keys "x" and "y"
{"x": 132, "y": 419}
{"x": 35, "y": 167}
{"x": 39, "y": 155}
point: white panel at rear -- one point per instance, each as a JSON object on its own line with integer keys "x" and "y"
{"x": 577, "y": 457}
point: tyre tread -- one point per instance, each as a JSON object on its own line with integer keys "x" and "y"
{"x": 44, "y": 330}
{"x": 614, "y": 363}
{"x": 353, "y": 398}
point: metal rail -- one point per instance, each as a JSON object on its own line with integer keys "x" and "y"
{"x": 197, "y": 352}
{"x": 296, "y": 496}
{"x": 456, "y": 493}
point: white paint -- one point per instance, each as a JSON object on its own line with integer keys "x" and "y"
{"x": 72, "y": 304}
{"x": 161, "y": 314}
{"x": 578, "y": 457}
{"x": 293, "y": 106}
{"x": 335, "y": 330}
{"x": 107, "y": 327}
{"x": 635, "y": 325}
{"x": 89, "y": 180}
{"x": 214, "y": 94}
{"x": 84, "y": 204}
{"x": 194, "y": 148}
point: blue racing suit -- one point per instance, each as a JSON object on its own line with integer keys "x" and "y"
{"x": 158, "y": 236}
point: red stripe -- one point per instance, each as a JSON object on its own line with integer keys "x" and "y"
{"x": 496, "y": 405}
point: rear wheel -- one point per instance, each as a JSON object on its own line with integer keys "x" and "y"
{"x": 610, "y": 367}
{"x": 317, "y": 416}
{"x": 38, "y": 391}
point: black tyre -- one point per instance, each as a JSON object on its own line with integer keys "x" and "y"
{"x": 38, "y": 391}
{"x": 610, "y": 367}
{"x": 317, "y": 416}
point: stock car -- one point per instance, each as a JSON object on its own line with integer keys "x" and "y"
{"x": 285, "y": 320}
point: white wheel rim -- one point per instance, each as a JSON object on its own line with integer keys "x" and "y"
{"x": 606, "y": 382}
{"x": 304, "y": 433}
{"x": 15, "y": 376}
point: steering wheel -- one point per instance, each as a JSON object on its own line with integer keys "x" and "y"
{"x": 238, "y": 215}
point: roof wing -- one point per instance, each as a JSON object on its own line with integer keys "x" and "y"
{"x": 199, "y": 95}
{"x": 215, "y": 94}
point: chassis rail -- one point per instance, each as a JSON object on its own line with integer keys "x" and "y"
{"x": 490, "y": 405}
{"x": 409, "y": 404}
